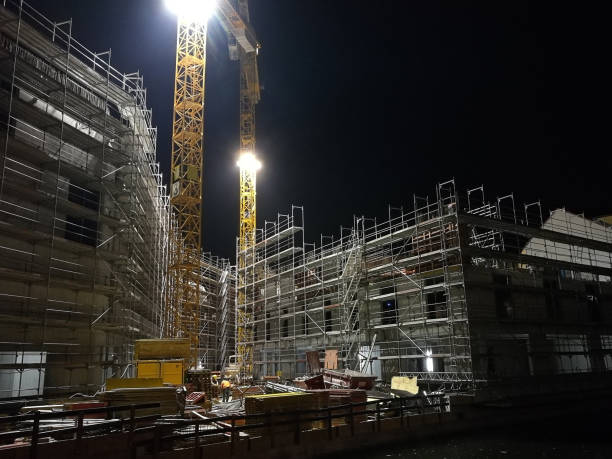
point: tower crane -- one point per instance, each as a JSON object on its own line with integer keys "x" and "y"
{"x": 184, "y": 247}
{"x": 183, "y": 299}
{"x": 243, "y": 46}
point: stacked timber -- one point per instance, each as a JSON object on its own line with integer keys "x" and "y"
{"x": 339, "y": 397}
{"x": 278, "y": 405}
{"x": 165, "y": 396}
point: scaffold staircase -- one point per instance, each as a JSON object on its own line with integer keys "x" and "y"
{"x": 225, "y": 321}
{"x": 350, "y": 275}
{"x": 459, "y": 368}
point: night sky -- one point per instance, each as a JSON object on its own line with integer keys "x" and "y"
{"x": 366, "y": 103}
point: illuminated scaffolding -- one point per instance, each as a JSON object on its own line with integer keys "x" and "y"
{"x": 461, "y": 292}
{"x": 83, "y": 211}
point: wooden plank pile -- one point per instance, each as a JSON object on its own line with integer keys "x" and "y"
{"x": 339, "y": 397}
{"x": 165, "y": 396}
{"x": 278, "y": 404}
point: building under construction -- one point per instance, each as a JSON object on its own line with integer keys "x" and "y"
{"x": 118, "y": 334}
{"x": 84, "y": 218}
{"x": 464, "y": 293}
{"x": 84, "y": 211}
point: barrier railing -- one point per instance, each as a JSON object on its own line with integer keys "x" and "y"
{"x": 165, "y": 431}
{"x": 398, "y": 407}
{"x": 130, "y": 423}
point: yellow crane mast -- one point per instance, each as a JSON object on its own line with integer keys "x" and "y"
{"x": 246, "y": 53}
{"x": 183, "y": 300}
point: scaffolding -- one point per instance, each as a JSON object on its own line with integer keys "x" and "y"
{"x": 214, "y": 277}
{"x": 461, "y": 292}
{"x": 216, "y": 334}
{"x": 84, "y": 212}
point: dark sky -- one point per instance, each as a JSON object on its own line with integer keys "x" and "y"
{"x": 366, "y": 103}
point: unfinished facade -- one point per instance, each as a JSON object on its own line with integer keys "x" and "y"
{"x": 84, "y": 213}
{"x": 461, "y": 292}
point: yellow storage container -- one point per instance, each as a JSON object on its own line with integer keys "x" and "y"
{"x": 148, "y": 369}
{"x": 170, "y": 371}
{"x": 161, "y": 349}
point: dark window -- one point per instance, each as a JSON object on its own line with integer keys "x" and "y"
{"x": 285, "y": 328}
{"x": 502, "y": 279}
{"x": 594, "y": 312}
{"x": 592, "y": 302}
{"x": 552, "y": 306}
{"x": 434, "y": 280}
{"x": 81, "y": 230}
{"x": 436, "y": 305}
{"x": 268, "y": 331}
{"x": 7, "y": 87}
{"x": 387, "y": 290}
{"x": 504, "y": 304}
{"x": 328, "y": 321}
{"x": 389, "y": 312}
{"x": 552, "y": 302}
{"x": 551, "y": 284}
{"x": 592, "y": 293}
{"x": 255, "y": 334}
{"x": 490, "y": 361}
{"x": 113, "y": 110}
{"x": 84, "y": 197}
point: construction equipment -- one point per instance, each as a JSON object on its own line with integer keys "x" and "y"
{"x": 243, "y": 46}
{"x": 166, "y": 359}
{"x": 169, "y": 371}
{"x": 183, "y": 299}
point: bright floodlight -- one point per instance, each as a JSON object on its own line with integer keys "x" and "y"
{"x": 429, "y": 365}
{"x": 195, "y": 10}
{"x": 249, "y": 162}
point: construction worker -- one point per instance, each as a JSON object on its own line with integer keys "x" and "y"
{"x": 225, "y": 387}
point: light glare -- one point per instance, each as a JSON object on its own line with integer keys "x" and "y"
{"x": 194, "y": 10}
{"x": 249, "y": 162}
{"x": 429, "y": 365}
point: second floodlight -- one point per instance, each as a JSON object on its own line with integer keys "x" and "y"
{"x": 248, "y": 161}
